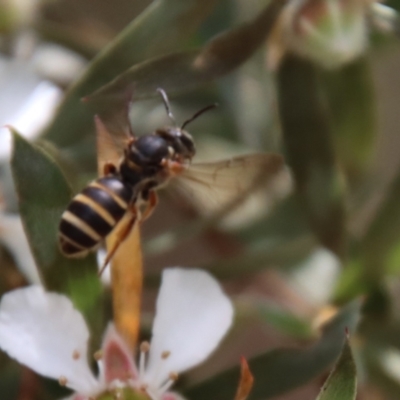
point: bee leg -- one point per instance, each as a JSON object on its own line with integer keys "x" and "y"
{"x": 150, "y": 206}
{"x": 121, "y": 234}
{"x": 109, "y": 169}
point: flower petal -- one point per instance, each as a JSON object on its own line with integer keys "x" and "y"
{"x": 44, "y": 332}
{"x": 192, "y": 316}
{"x": 117, "y": 360}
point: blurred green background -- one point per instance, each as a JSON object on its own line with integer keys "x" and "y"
{"x": 316, "y": 253}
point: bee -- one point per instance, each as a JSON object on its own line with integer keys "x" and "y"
{"x": 146, "y": 164}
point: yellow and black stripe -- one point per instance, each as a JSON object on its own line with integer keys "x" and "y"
{"x": 92, "y": 215}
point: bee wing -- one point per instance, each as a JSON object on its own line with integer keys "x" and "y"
{"x": 224, "y": 185}
{"x": 109, "y": 146}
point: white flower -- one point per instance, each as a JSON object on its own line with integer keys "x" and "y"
{"x": 27, "y": 103}
{"x": 57, "y": 63}
{"x": 315, "y": 278}
{"x": 44, "y": 332}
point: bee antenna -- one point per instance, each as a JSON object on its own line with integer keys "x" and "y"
{"x": 167, "y": 105}
{"x": 202, "y": 111}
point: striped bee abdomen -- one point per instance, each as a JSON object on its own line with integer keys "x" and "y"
{"x": 92, "y": 215}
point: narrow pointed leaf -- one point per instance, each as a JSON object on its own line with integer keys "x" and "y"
{"x": 379, "y": 252}
{"x": 352, "y": 104}
{"x": 281, "y": 370}
{"x": 307, "y": 134}
{"x": 187, "y": 70}
{"x": 285, "y": 321}
{"x": 162, "y": 27}
{"x": 342, "y": 382}
{"x": 43, "y": 195}
{"x": 383, "y": 236}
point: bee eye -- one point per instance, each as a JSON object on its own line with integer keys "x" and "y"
{"x": 187, "y": 142}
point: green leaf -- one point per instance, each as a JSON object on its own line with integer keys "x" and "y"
{"x": 307, "y": 135}
{"x": 378, "y": 254}
{"x": 43, "y": 195}
{"x": 350, "y": 282}
{"x": 383, "y": 236}
{"x": 353, "y": 108}
{"x": 285, "y": 321}
{"x": 342, "y": 382}
{"x": 162, "y": 27}
{"x": 186, "y": 70}
{"x": 281, "y": 370}
{"x": 380, "y": 325}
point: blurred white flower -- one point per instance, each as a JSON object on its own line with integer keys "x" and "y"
{"x": 44, "y": 332}
{"x": 389, "y": 359}
{"x": 26, "y": 103}
{"x": 385, "y": 18}
{"x": 57, "y": 63}
{"x": 316, "y": 278}
{"x": 328, "y": 32}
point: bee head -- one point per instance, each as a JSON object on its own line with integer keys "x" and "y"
{"x": 179, "y": 141}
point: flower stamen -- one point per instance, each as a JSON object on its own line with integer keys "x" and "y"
{"x": 144, "y": 349}
{"x": 173, "y": 377}
{"x": 98, "y": 355}
{"x": 165, "y": 354}
{"x": 62, "y": 380}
